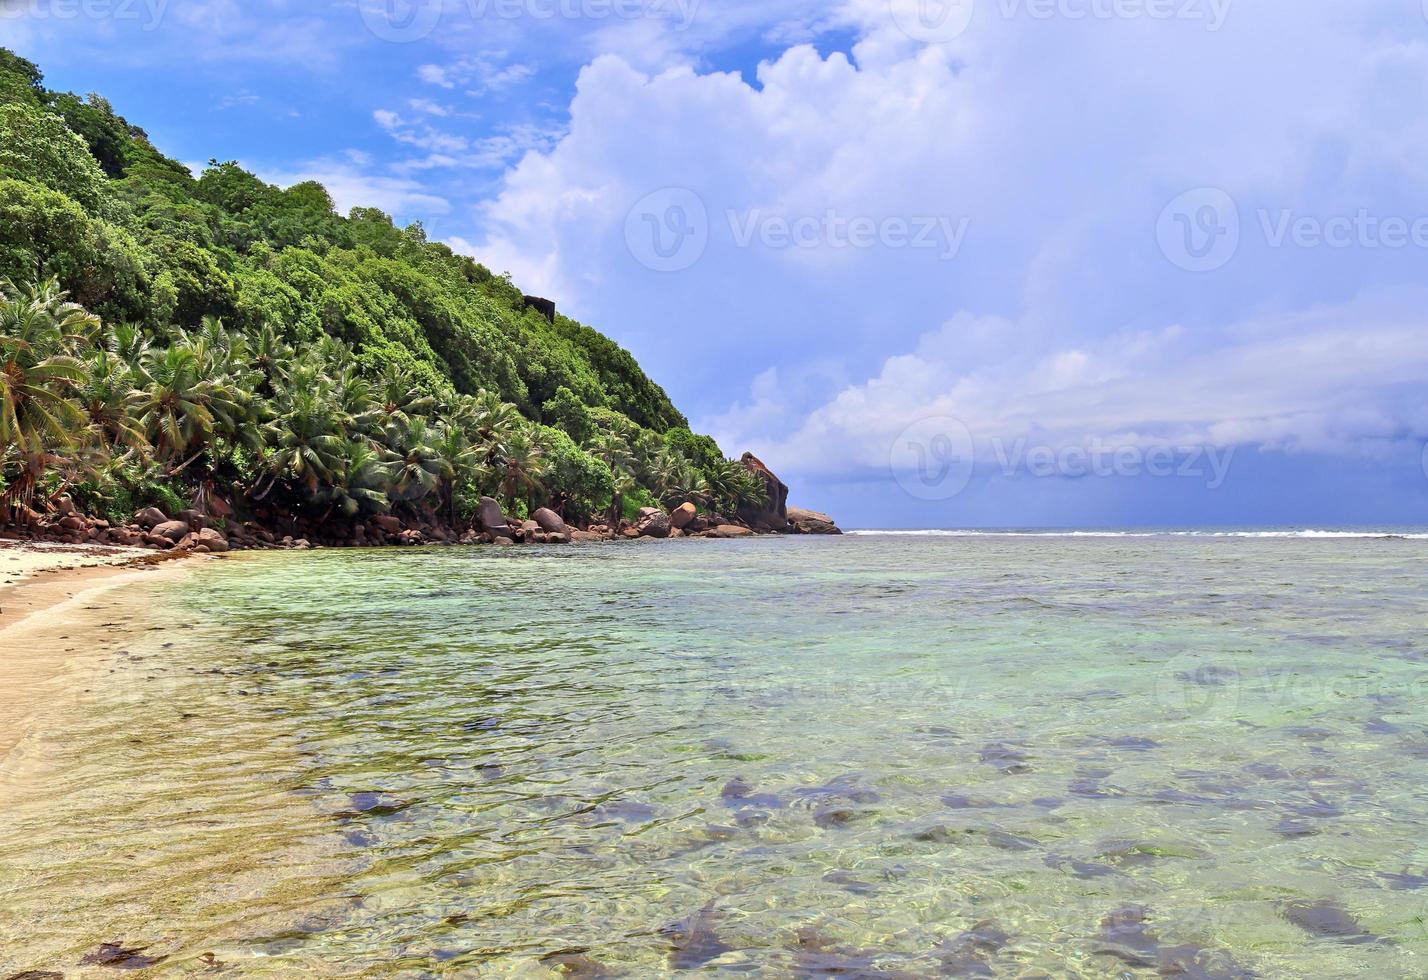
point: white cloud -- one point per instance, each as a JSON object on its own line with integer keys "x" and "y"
{"x": 1309, "y": 106}
{"x": 1325, "y": 380}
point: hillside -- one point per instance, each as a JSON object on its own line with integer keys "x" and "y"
{"x": 231, "y": 339}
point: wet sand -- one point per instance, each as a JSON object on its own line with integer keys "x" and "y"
{"x": 42, "y": 588}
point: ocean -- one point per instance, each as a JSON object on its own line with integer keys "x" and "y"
{"x": 1099, "y": 754}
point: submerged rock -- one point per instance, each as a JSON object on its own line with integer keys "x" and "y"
{"x": 121, "y": 957}
{"x": 1327, "y": 919}
{"x": 966, "y": 954}
{"x": 1005, "y": 759}
{"x": 575, "y": 963}
{"x": 694, "y": 940}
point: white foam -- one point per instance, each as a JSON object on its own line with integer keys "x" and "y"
{"x": 1305, "y": 533}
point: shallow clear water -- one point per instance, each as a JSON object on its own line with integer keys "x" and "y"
{"x": 871, "y": 756}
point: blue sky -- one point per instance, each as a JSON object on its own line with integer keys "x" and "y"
{"x": 983, "y": 263}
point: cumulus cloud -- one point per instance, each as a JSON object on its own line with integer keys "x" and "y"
{"x": 1061, "y": 312}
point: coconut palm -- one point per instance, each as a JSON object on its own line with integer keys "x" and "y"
{"x": 418, "y": 470}
{"x": 308, "y": 440}
{"x": 40, "y": 416}
{"x": 358, "y": 479}
{"x": 521, "y": 466}
{"x": 463, "y": 460}
{"x": 111, "y": 404}
{"x": 490, "y": 421}
{"x": 175, "y": 403}
{"x": 400, "y": 398}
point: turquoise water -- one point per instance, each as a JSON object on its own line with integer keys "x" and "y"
{"x": 871, "y": 756}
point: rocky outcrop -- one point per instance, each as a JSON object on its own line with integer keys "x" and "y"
{"x": 802, "y": 521}
{"x": 173, "y": 530}
{"x": 150, "y": 518}
{"x": 211, "y": 540}
{"x": 550, "y": 522}
{"x": 544, "y": 307}
{"x": 201, "y": 529}
{"x": 683, "y": 515}
{"x": 492, "y": 521}
{"x": 653, "y": 523}
{"x": 773, "y": 516}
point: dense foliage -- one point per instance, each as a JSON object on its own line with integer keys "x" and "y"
{"x": 167, "y": 338}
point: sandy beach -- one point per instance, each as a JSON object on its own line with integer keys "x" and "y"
{"x": 40, "y": 586}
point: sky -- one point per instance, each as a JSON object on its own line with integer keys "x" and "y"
{"x": 940, "y": 263}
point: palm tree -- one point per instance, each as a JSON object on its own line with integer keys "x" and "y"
{"x": 111, "y": 404}
{"x": 399, "y": 397}
{"x": 175, "y": 403}
{"x": 271, "y": 358}
{"x": 359, "y": 477}
{"x": 308, "y": 441}
{"x": 521, "y": 466}
{"x": 490, "y": 421}
{"x": 611, "y": 447}
{"x": 418, "y": 470}
{"x": 39, "y": 376}
{"x": 462, "y": 459}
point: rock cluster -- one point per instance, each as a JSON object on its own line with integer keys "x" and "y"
{"x": 218, "y": 530}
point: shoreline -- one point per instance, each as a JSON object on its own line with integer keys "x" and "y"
{"x": 39, "y": 587}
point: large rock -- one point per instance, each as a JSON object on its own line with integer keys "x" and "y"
{"x": 387, "y": 523}
{"x": 586, "y": 537}
{"x": 550, "y": 521}
{"x": 193, "y": 518}
{"x": 150, "y": 518}
{"x": 654, "y": 525}
{"x": 212, "y": 540}
{"x": 774, "y": 515}
{"x": 730, "y": 531}
{"x": 682, "y": 515}
{"x": 492, "y": 520}
{"x": 811, "y": 522}
{"x": 172, "y": 530}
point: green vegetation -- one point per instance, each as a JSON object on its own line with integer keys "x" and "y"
{"x": 168, "y": 339}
